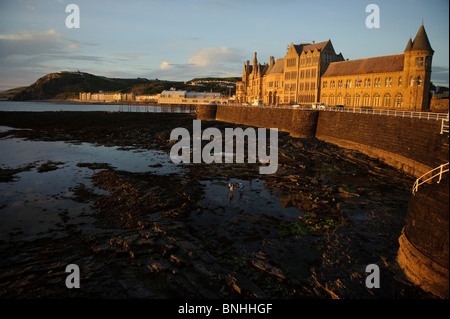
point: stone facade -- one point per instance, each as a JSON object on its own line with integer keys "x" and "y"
{"x": 315, "y": 73}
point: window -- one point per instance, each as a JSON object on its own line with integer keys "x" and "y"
{"x": 348, "y": 100}
{"x": 398, "y": 102}
{"x": 324, "y": 84}
{"x": 367, "y": 83}
{"x": 376, "y": 100}
{"x": 377, "y": 82}
{"x": 366, "y": 100}
{"x": 340, "y": 84}
{"x": 388, "y": 82}
{"x": 324, "y": 98}
{"x": 419, "y": 61}
{"x": 313, "y": 73}
{"x": 387, "y": 100}
{"x": 332, "y": 84}
{"x": 291, "y": 62}
{"x": 357, "y": 100}
{"x": 400, "y": 81}
{"x": 313, "y": 85}
{"x": 411, "y": 81}
{"x": 419, "y": 81}
{"x": 349, "y": 84}
{"x": 331, "y": 99}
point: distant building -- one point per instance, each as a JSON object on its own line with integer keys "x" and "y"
{"x": 315, "y": 73}
{"x": 185, "y": 97}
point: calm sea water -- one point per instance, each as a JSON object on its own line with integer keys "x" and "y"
{"x": 27, "y": 106}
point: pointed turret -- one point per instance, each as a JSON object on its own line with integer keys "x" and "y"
{"x": 421, "y": 42}
{"x": 409, "y": 45}
{"x": 255, "y": 61}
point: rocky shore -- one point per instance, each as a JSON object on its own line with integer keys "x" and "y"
{"x": 308, "y": 231}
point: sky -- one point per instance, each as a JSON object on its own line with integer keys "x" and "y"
{"x": 183, "y": 39}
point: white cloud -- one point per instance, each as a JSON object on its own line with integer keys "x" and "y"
{"x": 215, "y": 56}
{"x": 165, "y": 65}
{"x": 220, "y": 62}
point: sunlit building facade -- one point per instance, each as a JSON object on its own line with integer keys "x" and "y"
{"x": 315, "y": 73}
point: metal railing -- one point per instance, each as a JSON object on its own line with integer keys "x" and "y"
{"x": 444, "y": 125}
{"x": 434, "y": 173}
{"x": 398, "y": 113}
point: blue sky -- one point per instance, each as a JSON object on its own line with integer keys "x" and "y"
{"x": 183, "y": 39}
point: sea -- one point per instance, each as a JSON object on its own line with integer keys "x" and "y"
{"x": 59, "y": 106}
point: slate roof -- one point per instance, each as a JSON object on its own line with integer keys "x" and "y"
{"x": 310, "y": 47}
{"x": 278, "y": 67}
{"x": 421, "y": 41}
{"x": 382, "y": 64}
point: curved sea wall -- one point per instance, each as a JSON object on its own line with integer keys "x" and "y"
{"x": 424, "y": 244}
{"x": 412, "y": 145}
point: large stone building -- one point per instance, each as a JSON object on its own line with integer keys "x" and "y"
{"x": 315, "y": 73}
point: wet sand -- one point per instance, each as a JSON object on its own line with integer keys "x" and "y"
{"x": 306, "y": 232}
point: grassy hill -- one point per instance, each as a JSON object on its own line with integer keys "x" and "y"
{"x": 67, "y": 85}
{"x": 64, "y": 85}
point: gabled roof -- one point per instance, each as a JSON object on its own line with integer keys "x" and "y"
{"x": 278, "y": 67}
{"x": 382, "y": 64}
{"x": 319, "y": 46}
{"x": 310, "y": 47}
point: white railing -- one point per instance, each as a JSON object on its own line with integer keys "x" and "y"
{"x": 434, "y": 173}
{"x": 444, "y": 125}
{"x": 399, "y": 113}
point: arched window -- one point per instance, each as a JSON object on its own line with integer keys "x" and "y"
{"x": 419, "y": 81}
{"x": 357, "y": 100}
{"x": 400, "y": 81}
{"x": 349, "y": 83}
{"x": 324, "y": 98}
{"x": 388, "y": 82}
{"x": 376, "y": 100}
{"x": 366, "y": 100}
{"x": 411, "y": 81}
{"x": 398, "y": 101}
{"x": 331, "y": 99}
{"x": 339, "y": 99}
{"x": 348, "y": 100}
{"x": 387, "y": 100}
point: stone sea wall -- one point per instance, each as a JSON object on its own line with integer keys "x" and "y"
{"x": 412, "y": 145}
